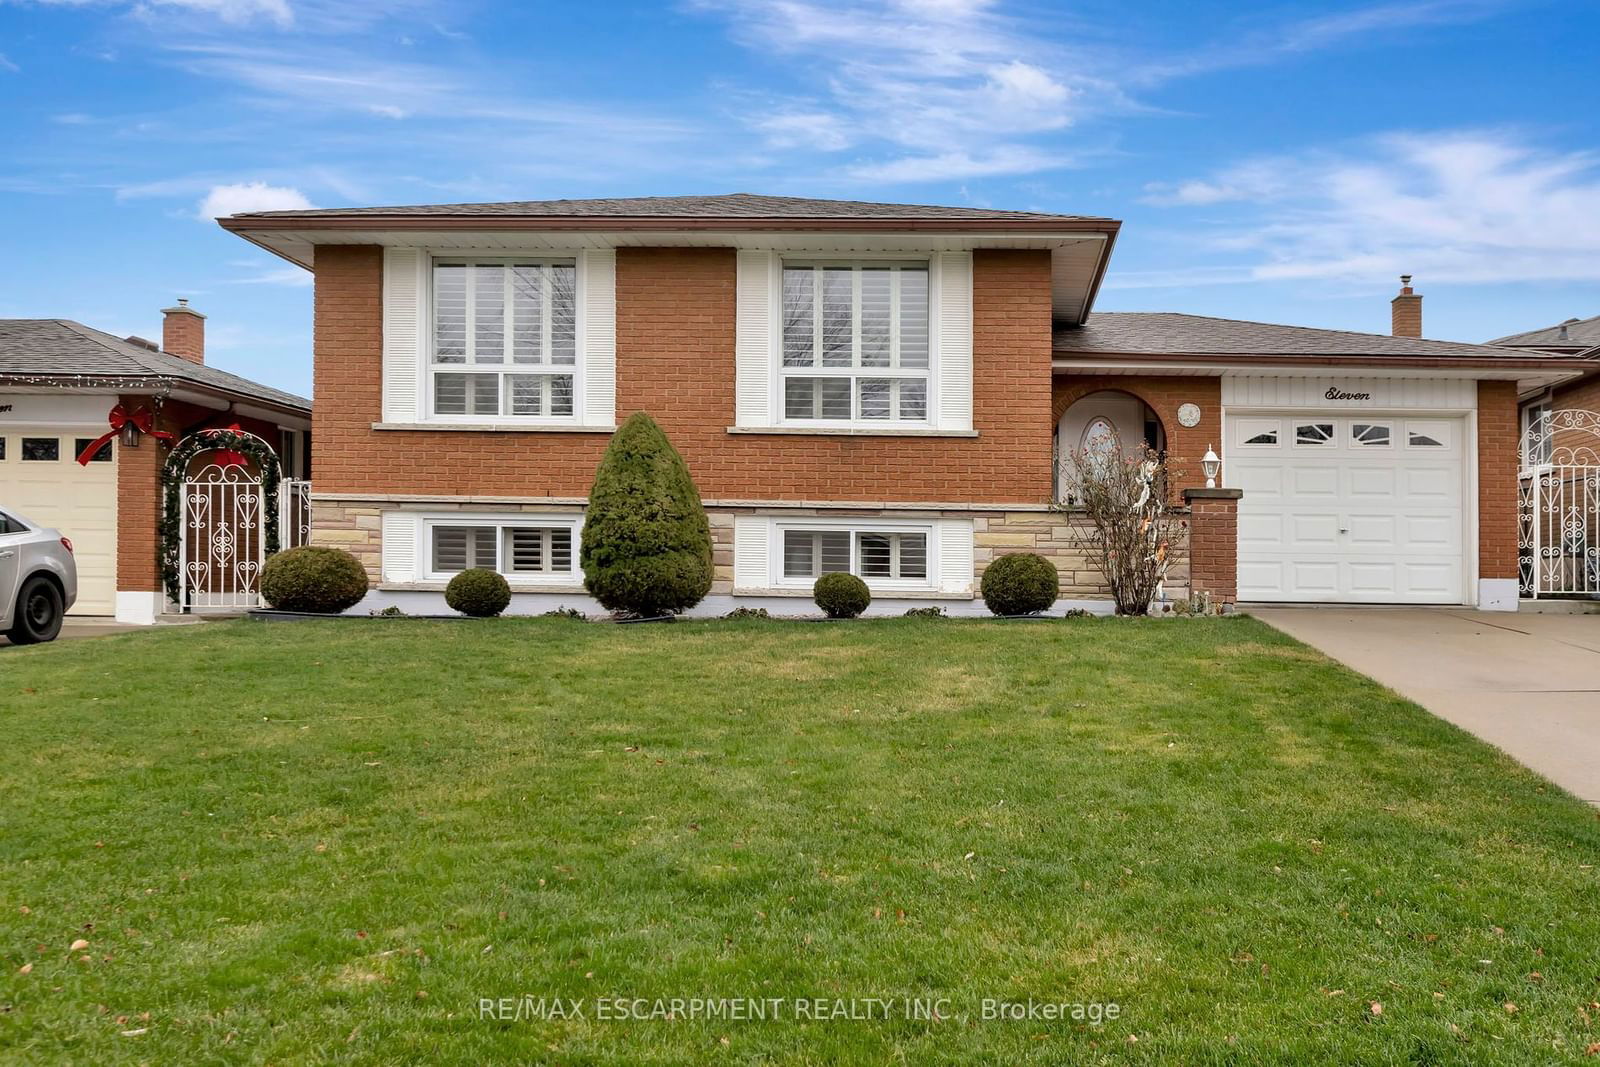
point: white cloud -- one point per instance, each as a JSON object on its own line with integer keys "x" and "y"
{"x": 952, "y": 166}
{"x": 7, "y": 65}
{"x": 296, "y": 277}
{"x": 249, "y": 196}
{"x": 236, "y": 12}
{"x": 1461, "y": 206}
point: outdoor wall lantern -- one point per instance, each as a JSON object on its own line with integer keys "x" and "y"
{"x": 1211, "y": 464}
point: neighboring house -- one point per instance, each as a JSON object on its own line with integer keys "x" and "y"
{"x": 873, "y": 387}
{"x": 59, "y": 381}
{"x": 1577, "y": 339}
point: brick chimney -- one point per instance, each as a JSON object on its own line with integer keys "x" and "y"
{"x": 183, "y": 332}
{"x": 1405, "y": 311}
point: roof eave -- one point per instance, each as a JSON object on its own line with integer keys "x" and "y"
{"x": 1277, "y": 359}
{"x": 245, "y": 224}
{"x": 153, "y": 383}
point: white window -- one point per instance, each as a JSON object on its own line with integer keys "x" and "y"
{"x": 519, "y": 549}
{"x": 1431, "y": 434}
{"x": 504, "y": 338}
{"x": 1258, "y": 433}
{"x": 855, "y": 345}
{"x": 896, "y": 557}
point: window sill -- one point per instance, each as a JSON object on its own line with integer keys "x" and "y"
{"x": 495, "y": 427}
{"x": 852, "y": 431}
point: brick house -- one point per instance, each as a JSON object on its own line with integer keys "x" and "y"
{"x": 59, "y": 383}
{"x": 873, "y": 387}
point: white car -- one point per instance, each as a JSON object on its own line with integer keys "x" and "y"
{"x": 38, "y": 580}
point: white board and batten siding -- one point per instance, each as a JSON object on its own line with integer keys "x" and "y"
{"x": 1399, "y": 394}
{"x": 405, "y": 336}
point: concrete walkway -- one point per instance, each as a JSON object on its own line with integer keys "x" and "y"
{"x": 1524, "y": 682}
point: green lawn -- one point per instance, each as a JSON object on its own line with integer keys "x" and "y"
{"x": 331, "y": 841}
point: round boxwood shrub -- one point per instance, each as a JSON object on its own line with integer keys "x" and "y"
{"x": 323, "y": 581}
{"x": 1022, "y": 584}
{"x": 646, "y": 543}
{"x": 479, "y": 592}
{"x": 841, "y": 596}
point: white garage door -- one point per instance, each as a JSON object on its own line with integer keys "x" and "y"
{"x": 1363, "y": 509}
{"x": 40, "y": 478}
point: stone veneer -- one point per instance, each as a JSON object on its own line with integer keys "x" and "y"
{"x": 356, "y": 526}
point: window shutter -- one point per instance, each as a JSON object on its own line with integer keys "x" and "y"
{"x": 401, "y": 530}
{"x": 597, "y": 271}
{"x": 402, "y": 333}
{"x": 752, "y": 552}
{"x": 755, "y": 339}
{"x": 955, "y": 556}
{"x": 955, "y": 341}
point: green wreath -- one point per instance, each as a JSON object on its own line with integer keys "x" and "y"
{"x": 172, "y": 479}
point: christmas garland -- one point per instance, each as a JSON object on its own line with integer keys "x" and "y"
{"x": 173, "y": 477}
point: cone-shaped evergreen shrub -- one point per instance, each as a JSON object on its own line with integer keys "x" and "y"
{"x": 646, "y": 543}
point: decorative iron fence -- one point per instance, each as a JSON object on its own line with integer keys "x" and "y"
{"x": 1558, "y": 506}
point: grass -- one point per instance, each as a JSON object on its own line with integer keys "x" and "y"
{"x": 330, "y": 841}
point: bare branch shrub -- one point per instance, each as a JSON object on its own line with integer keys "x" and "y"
{"x": 1132, "y": 530}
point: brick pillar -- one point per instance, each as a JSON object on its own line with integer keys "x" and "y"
{"x": 1498, "y": 442}
{"x": 1214, "y": 542}
{"x": 139, "y": 504}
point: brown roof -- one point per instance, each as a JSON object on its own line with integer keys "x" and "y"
{"x": 1165, "y": 333}
{"x": 70, "y": 350}
{"x": 727, "y": 206}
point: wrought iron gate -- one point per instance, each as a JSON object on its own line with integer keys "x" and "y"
{"x": 1558, "y": 505}
{"x": 224, "y": 538}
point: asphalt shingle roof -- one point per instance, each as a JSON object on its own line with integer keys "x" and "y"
{"x": 1174, "y": 334}
{"x": 1580, "y": 333}
{"x": 63, "y": 347}
{"x": 728, "y": 206}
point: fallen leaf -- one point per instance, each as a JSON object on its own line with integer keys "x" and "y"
{"x": 1375, "y": 1007}
{"x": 1511, "y": 1009}
{"x": 78, "y": 944}
{"x": 1592, "y": 1050}
{"x": 25, "y": 910}
{"x": 26, "y": 968}
{"x": 1535, "y": 976}
{"x": 136, "y": 1033}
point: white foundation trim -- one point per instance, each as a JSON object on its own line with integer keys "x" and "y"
{"x": 139, "y": 608}
{"x": 1497, "y": 594}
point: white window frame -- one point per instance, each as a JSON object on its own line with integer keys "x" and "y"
{"x": 855, "y": 527}
{"x": 929, "y": 375}
{"x": 1441, "y": 430}
{"x": 1246, "y": 428}
{"x": 502, "y": 522}
{"x": 428, "y": 366}
{"x": 1363, "y": 446}
{"x": 1292, "y": 428}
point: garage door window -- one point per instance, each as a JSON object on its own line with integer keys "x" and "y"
{"x": 1427, "y": 435}
{"x": 1369, "y": 435}
{"x": 1314, "y": 434}
{"x": 102, "y": 456}
{"x": 2, "y": 448}
{"x": 41, "y": 449}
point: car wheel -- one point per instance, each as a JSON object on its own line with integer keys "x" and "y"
{"x": 39, "y": 613}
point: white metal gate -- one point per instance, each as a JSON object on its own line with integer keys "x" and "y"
{"x": 1558, "y": 505}
{"x": 294, "y": 512}
{"x": 224, "y": 538}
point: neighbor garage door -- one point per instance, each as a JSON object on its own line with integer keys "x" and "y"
{"x": 41, "y": 479}
{"x": 1361, "y": 509}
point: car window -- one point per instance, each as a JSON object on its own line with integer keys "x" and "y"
{"x": 8, "y": 525}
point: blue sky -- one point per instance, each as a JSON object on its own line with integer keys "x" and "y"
{"x": 1282, "y": 162}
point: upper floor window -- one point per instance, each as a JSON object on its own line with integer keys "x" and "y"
{"x": 855, "y": 343}
{"x": 504, "y": 337}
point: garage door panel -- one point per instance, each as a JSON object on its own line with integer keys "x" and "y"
{"x": 1374, "y": 521}
{"x": 1314, "y": 483}
{"x": 78, "y": 500}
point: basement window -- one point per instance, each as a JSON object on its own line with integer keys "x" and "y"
{"x": 518, "y": 550}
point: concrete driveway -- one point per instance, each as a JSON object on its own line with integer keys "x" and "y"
{"x": 1526, "y": 683}
{"x": 86, "y": 626}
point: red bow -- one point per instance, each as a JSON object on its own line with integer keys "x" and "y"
{"x": 120, "y": 417}
{"x": 227, "y": 457}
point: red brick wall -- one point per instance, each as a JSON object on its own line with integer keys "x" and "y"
{"x": 675, "y": 360}
{"x": 1214, "y": 548}
{"x": 1185, "y": 446}
{"x": 1497, "y": 479}
{"x": 1582, "y": 395}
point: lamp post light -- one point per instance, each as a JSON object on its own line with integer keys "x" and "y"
{"x": 1211, "y": 463}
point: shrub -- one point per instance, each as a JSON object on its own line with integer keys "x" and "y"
{"x": 1131, "y": 529}
{"x": 479, "y": 592}
{"x": 322, "y": 581}
{"x": 566, "y": 613}
{"x": 646, "y": 544}
{"x": 747, "y": 613}
{"x": 1077, "y": 613}
{"x": 932, "y": 611}
{"x": 1023, "y": 584}
{"x": 841, "y": 596}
